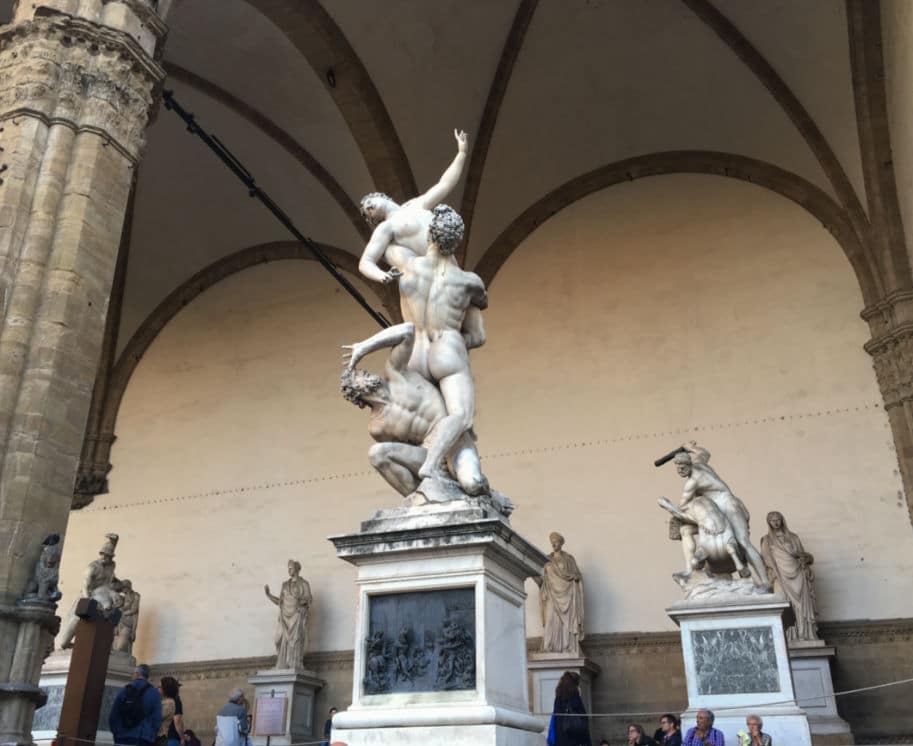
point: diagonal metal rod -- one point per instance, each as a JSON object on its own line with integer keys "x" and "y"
{"x": 238, "y": 169}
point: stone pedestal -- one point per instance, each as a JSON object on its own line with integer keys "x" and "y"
{"x": 53, "y": 682}
{"x": 297, "y": 690}
{"x": 545, "y": 669}
{"x": 440, "y": 637}
{"x": 811, "y": 667}
{"x": 736, "y": 664}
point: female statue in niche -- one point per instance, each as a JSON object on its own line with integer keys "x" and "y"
{"x": 561, "y": 601}
{"x": 790, "y": 568}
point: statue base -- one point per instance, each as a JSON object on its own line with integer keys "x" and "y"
{"x": 440, "y": 632}
{"x": 810, "y": 662}
{"x": 545, "y": 669}
{"x": 736, "y": 664}
{"x": 283, "y": 706}
{"x": 53, "y": 681}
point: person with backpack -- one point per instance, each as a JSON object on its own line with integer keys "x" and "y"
{"x": 137, "y": 711}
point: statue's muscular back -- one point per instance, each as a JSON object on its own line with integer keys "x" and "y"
{"x": 414, "y": 407}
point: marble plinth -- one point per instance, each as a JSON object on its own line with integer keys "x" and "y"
{"x": 293, "y": 720}
{"x": 736, "y": 664}
{"x": 546, "y": 669}
{"x": 440, "y": 594}
{"x": 811, "y": 667}
{"x": 53, "y": 681}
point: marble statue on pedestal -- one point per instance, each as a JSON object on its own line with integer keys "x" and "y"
{"x": 101, "y": 584}
{"x": 125, "y": 633}
{"x": 294, "y": 602}
{"x": 712, "y": 524}
{"x": 422, "y": 410}
{"x": 790, "y": 569}
{"x": 561, "y": 601}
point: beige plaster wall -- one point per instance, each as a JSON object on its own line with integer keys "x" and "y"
{"x": 665, "y": 309}
{"x": 897, "y": 30}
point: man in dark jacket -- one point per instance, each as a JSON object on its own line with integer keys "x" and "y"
{"x": 137, "y": 711}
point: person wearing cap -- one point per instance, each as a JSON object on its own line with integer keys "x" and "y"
{"x": 120, "y": 722}
{"x": 231, "y": 722}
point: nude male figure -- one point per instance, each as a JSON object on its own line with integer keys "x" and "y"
{"x": 401, "y": 232}
{"x": 435, "y": 295}
{"x": 404, "y": 409}
{"x": 702, "y": 480}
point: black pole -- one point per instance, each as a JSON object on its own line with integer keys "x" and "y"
{"x": 238, "y": 169}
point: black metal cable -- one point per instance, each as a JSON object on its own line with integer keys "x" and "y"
{"x": 238, "y": 169}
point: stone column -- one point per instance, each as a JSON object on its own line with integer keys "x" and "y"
{"x": 891, "y": 348}
{"x": 78, "y": 85}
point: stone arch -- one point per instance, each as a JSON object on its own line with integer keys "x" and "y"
{"x": 761, "y": 173}
{"x": 219, "y": 270}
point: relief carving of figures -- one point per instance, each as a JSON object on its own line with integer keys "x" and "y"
{"x": 99, "y": 583}
{"x": 377, "y": 664}
{"x": 42, "y": 587}
{"x": 456, "y": 658}
{"x": 125, "y": 633}
{"x": 790, "y": 568}
{"x": 561, "y": 601}
{"x": 294, "y": 602}
{"x": 712, "y": 524}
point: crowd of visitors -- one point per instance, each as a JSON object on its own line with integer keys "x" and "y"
{"x": 570, "y": 726}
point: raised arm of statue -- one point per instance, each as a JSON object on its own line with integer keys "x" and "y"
{"x": 368, "y": 265}
{"x": 400, "y": 337}
{"x": 438, "y": 193}
{"x": 699, "y": 455}
{"x": 270, "y": 596}
{"x": 473, "y": 329}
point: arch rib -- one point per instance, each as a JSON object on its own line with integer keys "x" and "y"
{"x": 785, "y": 183}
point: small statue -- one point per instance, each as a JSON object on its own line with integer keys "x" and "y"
{"x": 125, "y": 633}
{"x": 711, "y": 522}
{"x": 42, "y": 587}
{"x": 294, "y": 602}
{"x": 101, "y": 584}
{"x": 561, "y": 601}
{"x": 790, "y": 568}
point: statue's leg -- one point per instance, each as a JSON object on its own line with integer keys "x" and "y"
{"x": 739, "y": 524}
{"x": 732, "y": 549}
{"x": 467, "y": 467}
{"x": 687, "y": 531}
{"x": 459, "y": 396}
{"x": 398, "y": 463}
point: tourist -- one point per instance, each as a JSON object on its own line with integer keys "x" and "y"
{"x": 231, "y": 721}
{"x": 167, "y": 693}
{"x": 637, "y": 737}
{"x": 169, "y": 688}
{"x": 669, "y": 732}
{"x": 328, "y": 727}
{"x": 703, "y": 733}
{"x": 569, "y": 725}
{"x": 755, "y": 736}
{"x": 137, "y": 711}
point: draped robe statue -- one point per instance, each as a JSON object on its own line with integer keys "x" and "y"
{"x": 561, "y": 601}
{"x": 294, "y": 602}
{"x": 789, "y": 567}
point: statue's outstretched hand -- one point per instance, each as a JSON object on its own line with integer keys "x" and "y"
{"x": 352, "y": 355}
{"x": 462, "y": 140}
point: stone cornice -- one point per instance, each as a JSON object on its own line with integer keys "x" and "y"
{"x": 67, "y": 71}
{"x": 242, "y": 667}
